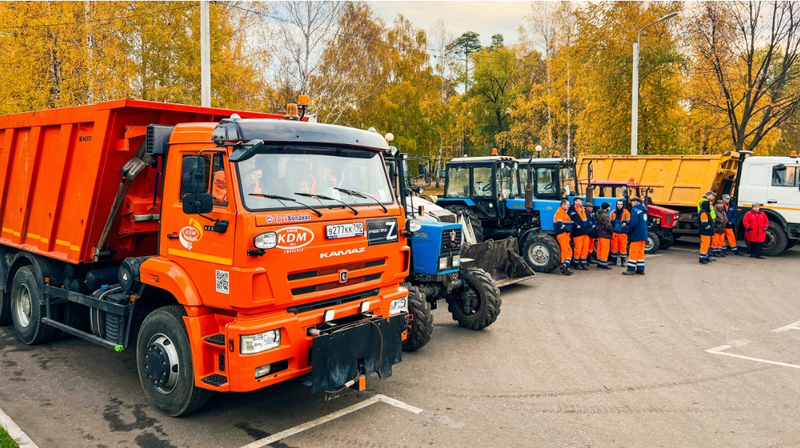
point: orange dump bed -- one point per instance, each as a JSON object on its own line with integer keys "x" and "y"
{"x": 60, "y": 172}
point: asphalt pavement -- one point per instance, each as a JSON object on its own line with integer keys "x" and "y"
{"x": 686, "y": 355}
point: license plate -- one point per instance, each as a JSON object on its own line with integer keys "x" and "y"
{"x": 350, "y": 230}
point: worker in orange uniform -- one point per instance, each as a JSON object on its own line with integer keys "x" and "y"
{"x": 580, "y": 237}
{"x": 637, "y": 235}
{"x": 619, "y": 240}
{"x": 718, "y": 240}
{"x": 729, "y": 233}
{"x": 604, "y": 234}
{"x": 562, "y": 225}
{"x": 705, "y": 225}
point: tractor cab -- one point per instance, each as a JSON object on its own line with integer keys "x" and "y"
{"x": 490, "y": 185}
{"x": 550, "y": 180}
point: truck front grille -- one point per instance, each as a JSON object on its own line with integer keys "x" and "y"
{"x": 451, "y": 240}
{"x": 357, "y": 272}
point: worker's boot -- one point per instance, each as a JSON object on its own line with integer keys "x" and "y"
{"x": 565, "y": 269}
{"x": 623, "y": 261}
{"x": 629, "y": 273}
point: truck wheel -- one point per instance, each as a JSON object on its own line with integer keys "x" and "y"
{"x": 420, "y": 326}
{"x": 652, "y": 244}
{"x": 484, "y": 297}
{"x": 666, "y": 241}
{"x": 164, "y": 361}
{"x": 541, "y": 252}
{"x": 477, "y": 228}
{"x": 27, "y": 309}
{"x": 776, "y": 240}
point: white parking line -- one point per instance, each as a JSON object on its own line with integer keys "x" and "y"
{"x": 792, "y": 326}
{"x": 15, "y": 432}
{"x": 721, "y": 351}
{"x": 333, "y": 416}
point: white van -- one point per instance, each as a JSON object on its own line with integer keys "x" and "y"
{"x": 775, "y": 183}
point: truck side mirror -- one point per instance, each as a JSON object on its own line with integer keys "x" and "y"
{"x": 199, "y": 203}
{"x": 193, "y": 175}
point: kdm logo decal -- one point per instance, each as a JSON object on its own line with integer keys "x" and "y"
{"x": 293, "y": 239}
{"x": 191, "y": 233}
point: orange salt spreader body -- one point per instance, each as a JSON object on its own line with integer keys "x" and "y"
{"x": 232, "y": 250}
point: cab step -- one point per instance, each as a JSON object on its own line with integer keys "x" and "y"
{"x": 216, "y": 339}
{"x": 215, "y": 380}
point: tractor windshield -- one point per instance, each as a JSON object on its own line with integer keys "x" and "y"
{"x": 309, "y": 174}
{"x": 508, "y": 180}
{"x": 567, "y": 178}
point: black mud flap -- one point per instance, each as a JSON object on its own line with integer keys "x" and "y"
{"x": 342, "y": 354}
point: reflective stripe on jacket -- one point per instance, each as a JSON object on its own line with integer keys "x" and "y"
{"x": 561, "y": 222}
{"x": 617, "y": 219}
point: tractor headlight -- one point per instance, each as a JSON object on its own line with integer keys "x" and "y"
{"x": 443, "y": 263}
{"x": 414, "y": 225}
{"x": 266, "y": 240}
{"x": 398, "y": 305}
{"x": 456, "y": 261}
{"x": 257, "y": 343}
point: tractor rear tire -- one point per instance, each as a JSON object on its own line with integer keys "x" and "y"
{"x": 468, "y": 213}
{"x": 541, "y": 252}
{"x": 485, "y": 291}
{"x": 420, "y": 326}
{"x": 652, "y": 243}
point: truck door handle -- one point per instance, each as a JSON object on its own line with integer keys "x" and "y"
{"x": 772, "y": 202}
{"x": 172, "y": 236}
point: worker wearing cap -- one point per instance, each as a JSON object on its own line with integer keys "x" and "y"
{"x": 705, "y": 222}
{"x": 604, "y": 234}
{"x": 637, "y": 235}
{"x": 562, "y": 225}
{"x": 729, "y": 233}
{"x": 719, "y": 229}
{"x": 591, "y": 221}
{"x": 619, "y": 240}
{"x": 580, "y": 238}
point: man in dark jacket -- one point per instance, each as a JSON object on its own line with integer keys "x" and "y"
{"x": 637, "y": 235}
{"x": 604, "y": 234}
{"x": 580, "y": 239}
{"x": 705, "y": 224}
{"x": 729, "y": 233}
{"x": 719, "y": 229}
{"x": 591, "y": 232}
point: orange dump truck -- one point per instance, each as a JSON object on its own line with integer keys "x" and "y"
{"x": 231, "y": 250}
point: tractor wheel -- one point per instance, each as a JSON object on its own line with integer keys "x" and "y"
{"x": 468, "y": 213}
{"x": 776, "y": 241}
{"x": 652, "y": 243}
{"x": 542, "y": 252}
{"x": 666, "y": 241}
{"x": 420, "y": 323}
{"x": 478, "y": 305}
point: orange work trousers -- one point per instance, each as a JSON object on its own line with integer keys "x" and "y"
{"x": 581, "y": 248}
{"x": 591, "y": 245}
{"x": 566, "y": 250}
{"x": 718, "y": 241}
{"x": 705, "y": 242}
{"x": 636, "y": 256}
{"x": 619, "y": 245}
{"x": 603, "y": 244}
{"x": 731, "y": 238}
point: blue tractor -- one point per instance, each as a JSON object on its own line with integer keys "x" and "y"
{"x": 437, "y": 270}
{"x": 504, "y": 197}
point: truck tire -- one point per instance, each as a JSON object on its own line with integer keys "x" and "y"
{"x": 163, "y": 336}
{"x": 541, "y": 252}
{"x": 27, "y": 309}
{"x": 666, "y": 241}
{"x": 477, "y": 228}
{"x": 484, "y": 291}
{"x": 776, "y": 241}
{"x": 652, "y": 243}
{"x": 420, "y": 326}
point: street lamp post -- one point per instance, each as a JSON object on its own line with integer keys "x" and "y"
{"x": 635, "y": 92}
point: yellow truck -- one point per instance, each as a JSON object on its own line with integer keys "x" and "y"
{"x": 678, "y": 182}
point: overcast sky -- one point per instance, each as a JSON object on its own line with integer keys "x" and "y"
{"x": 485, "y": 18}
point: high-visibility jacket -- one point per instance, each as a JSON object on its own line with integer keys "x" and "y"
{"x": 705, "y": 220}
{"x": 712, "y": 213}
{"x": 578, "y": 216}
{"x": 618, "y": 219}
{"x": 562, "y": 222}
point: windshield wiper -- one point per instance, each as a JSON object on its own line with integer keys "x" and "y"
{"x": 327, "y": 198}
{"x": 361, "y": 195}
{"x": 282, "y": 198}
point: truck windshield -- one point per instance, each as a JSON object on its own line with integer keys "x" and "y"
{"x": 300, "y": 172}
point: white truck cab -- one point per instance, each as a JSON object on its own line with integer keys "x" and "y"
{"x": 774, "y": 182}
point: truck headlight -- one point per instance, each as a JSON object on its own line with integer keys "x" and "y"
{"x": 398, "y": 305}
{"x": 456, "y": 261}
{"x": 443, "y": 263}
{"x": 414, "y": 225}
{"x": 257, "y": 343}
{"x": 266, "y": 240}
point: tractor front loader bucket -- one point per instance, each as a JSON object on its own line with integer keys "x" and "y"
{"x": 500, "y": 258}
